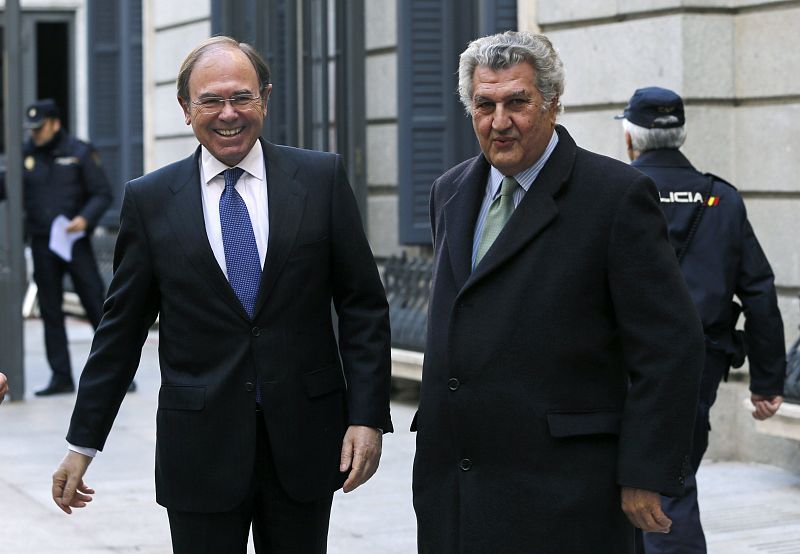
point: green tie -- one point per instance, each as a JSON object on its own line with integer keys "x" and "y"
{"x": 501, "y": 209}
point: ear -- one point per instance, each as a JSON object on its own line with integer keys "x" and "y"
{"x": 187, "y": 114}
{"x": 265, "y": 99}
{"x": 632, "y": 154}
{"x": 553, "y": 111}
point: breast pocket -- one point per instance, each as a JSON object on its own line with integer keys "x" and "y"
{"x": 312, "y": 248}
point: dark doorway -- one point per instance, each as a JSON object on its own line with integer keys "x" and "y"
{"x": 53, "y": 66}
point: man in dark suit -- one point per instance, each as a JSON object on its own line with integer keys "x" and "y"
{"x": 720, "y": 257}
{"x": 563, "y": 352}
{"x": 261, "y": 414}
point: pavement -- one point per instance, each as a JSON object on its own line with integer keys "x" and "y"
{"x": 746, "y": 508}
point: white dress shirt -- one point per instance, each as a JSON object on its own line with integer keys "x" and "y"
{"x": 252, "y": 187}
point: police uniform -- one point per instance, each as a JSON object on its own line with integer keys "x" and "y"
{"x": 720, "y": 258}
{"x": 62, "y": 177}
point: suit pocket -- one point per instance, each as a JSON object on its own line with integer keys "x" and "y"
{"x": 575, "y": 424}
{"x": 182, "y": 397}
{"x": 323, "y": 381}
{"x": 310, "y": 248}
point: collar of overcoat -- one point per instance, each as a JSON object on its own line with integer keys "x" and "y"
{"x": 535, "y": 212}
{"x": 286, "y": 198}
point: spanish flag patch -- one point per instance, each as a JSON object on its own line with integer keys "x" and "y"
{"x": 713, "y": 200}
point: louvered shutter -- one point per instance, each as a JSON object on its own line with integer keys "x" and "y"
{"x": 115, "y": 92}
{"x": 428, "y": 106}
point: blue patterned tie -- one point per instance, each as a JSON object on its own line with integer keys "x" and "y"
{"x": 241, "y": 253}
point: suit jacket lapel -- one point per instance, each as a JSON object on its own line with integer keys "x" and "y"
{"x": 536, "y": 211}
{"x": 460, "y": 215}
{"x": 286, "y": 197}
{"x": 189, "y": 226}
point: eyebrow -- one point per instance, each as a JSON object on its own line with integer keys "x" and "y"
{"x": 215, "y": 95}
{"x": 522, "y": 93}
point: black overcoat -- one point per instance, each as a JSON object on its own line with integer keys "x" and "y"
{"x": 563, "y": 367}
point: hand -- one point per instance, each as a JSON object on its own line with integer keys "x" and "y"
{"x": 3, "y": 387}
{"x": 78, "y": 223}
{"x": 766, "y": 406}
{"x": 69, "y": 490}
{"x": 361, "y": 453}
{"x": 643, "y": 509}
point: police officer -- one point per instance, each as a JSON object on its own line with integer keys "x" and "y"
{"x": 720, "y": 257}
{"x": 62, "y": 176}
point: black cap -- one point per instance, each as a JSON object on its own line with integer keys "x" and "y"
{"x": 654, "y": 108}
{"x": 36, "y": 113}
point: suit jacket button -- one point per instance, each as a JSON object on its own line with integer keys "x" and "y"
{"x": 465, "y": 464}
{"x": 453, "y": 384}
{"x": 249, "y": 387}
{"x": 255, "y": 331}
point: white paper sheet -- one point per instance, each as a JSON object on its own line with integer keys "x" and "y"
{"x": 61, "y": 241}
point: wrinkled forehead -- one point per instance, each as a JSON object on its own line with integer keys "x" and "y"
{"x": 518, "y": 79}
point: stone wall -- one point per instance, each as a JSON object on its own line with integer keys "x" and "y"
{"x": 170, "y": 31}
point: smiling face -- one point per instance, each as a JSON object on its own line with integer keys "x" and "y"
{"x": 507, "y": 116}
{"x": 230, "y": 134}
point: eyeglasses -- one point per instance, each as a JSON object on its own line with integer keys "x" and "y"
{"x": 214, "y": 104}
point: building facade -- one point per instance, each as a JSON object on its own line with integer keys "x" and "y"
{"x": 376, "y": 81}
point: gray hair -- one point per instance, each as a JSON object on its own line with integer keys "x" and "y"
{"x": 508, "y": 49}
{"x": 644, "y": 139}
{"x": 218, "y": 43}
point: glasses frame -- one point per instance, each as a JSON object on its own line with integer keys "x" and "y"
{"x": 213, "y": 105}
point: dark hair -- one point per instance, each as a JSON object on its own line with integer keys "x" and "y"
{"x": 217, "y": 43}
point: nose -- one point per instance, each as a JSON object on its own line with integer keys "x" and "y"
{"x": 228, "y": 111}
{"x": 501, "y": 118}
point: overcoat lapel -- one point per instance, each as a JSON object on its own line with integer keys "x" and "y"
{"x": 534, "y": 214}
{"x": 460, "y": 214}
{"x": 286, "y": 198}
{"x": 186, "y": 219}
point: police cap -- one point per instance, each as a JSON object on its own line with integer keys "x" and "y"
{"x": 36, "y": 113}
{"x": 654, "y": 108}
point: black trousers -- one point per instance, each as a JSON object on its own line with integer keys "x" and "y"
{"x": 280, "y": 524}
{"x": 686, "y": 535}
{"x": 48, "y": 272}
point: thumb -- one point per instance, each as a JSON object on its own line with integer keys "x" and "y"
{"x": 347, "y": 455}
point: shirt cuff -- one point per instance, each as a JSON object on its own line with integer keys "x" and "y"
{"x": 91, "y": 452}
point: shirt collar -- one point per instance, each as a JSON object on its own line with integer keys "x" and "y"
{"x": 252, "y": 163}
{"x": 527, "y": 177}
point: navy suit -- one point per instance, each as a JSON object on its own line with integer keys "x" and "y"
{"x": 211, "y": 353}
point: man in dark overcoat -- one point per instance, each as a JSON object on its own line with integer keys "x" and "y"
{"x": 564, "y": 354}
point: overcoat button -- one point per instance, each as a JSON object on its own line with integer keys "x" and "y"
{"x": 249, "y": 387}
{"x": 465, "y": 464}
{"x": 255, "y": 331}
{"x": 453, "y": 384}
